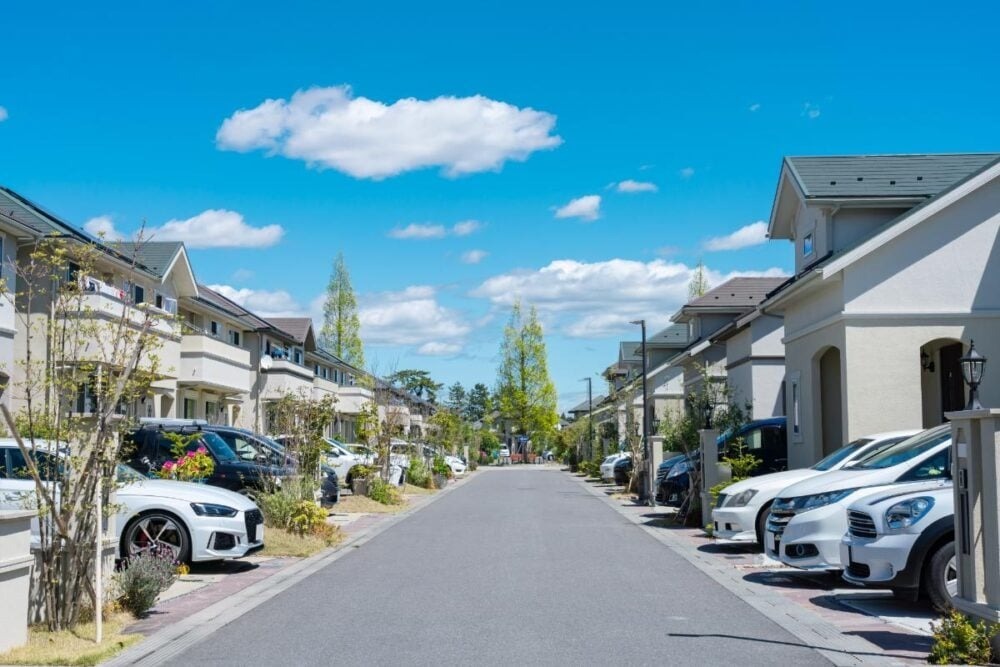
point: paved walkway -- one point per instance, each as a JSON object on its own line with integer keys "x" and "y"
{"x": 521, "y": 566}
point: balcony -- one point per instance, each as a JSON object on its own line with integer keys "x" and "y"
{"x": 210, "y": 363}
{"x": 284, "y": 378}
{"x": 351, "y": 399}
{"x": 322, "y": 387}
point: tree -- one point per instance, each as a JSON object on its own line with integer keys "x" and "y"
{"x": 479, "y": 404}
{"x": 698, "y": 285}
{"x": 457, "y": 398}
{"x": 83, "y": 372}
{"x": 341, "y": 332}
{"x": 525, "y": 390}
{"x": 418, "y": 383}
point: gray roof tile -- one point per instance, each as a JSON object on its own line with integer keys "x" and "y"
{"x": 918, "y": 175}
{"x": 297, "y": 327}
{"x": 156, "y": 256}
{"x": 213, "y": 298}
{"x": 740, "y": 293}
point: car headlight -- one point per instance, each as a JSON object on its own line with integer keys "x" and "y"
{"x": 806, "y": 503}
{"x": 905, "y": 514}
{"x": 211, "y": 509}
{"x": 679, "y": 469}
{"x": 741, "y": 499}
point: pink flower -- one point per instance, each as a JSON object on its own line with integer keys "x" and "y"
{"x": 169, "y": 465}
{"x": 202, "y": 450}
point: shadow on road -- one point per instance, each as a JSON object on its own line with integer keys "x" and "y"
{"x": 786, "y": 579}
{"x": 223, "y": 567}
{"x": 784, "y": 643}
{"x": 895, "y": 641}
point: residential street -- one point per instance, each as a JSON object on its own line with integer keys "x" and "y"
{"x": 519, "y": 566}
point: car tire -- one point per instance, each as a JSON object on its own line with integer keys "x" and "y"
{"x": 181, "y": 544}
{"x": 761, "y": 524}
{"x": 939, "y": 572}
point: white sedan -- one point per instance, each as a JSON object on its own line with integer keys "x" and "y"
{"x": 741, "y": 511}
{"x": 195, "y": 522}
{"x": 456, "y": 464}
{"x": 608, "y": 466}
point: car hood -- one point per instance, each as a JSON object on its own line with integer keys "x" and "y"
{"x": 774, "y": 481}
{"x": 940, "y": 490}
{"x": 186, "y": 491}
{"x": 836, "y": 480}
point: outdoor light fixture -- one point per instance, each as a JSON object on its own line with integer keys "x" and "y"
{"x": 973, "y": 366}
{"x": 707, "y": 408}
{"x": 925, "y": 362}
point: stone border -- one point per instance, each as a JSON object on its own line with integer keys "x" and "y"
{"x": 172, "y": 640}
{"x": 802, "y": 623}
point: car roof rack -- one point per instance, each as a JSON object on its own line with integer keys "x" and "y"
{"x": 171, "y": 422}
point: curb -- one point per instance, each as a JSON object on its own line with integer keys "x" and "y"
{"x": 805, "y": 625}
{"x": 172, "y": 640}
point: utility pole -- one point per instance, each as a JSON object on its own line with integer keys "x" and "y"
{"x": 590, "y": 417}
{"x": 647, "y": 454}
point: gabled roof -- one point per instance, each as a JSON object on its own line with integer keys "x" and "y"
{"x": 916, "y": 175}
{"x": 156, "y": 256}
{"x": 736, "y": 294}
{"x": 212, "y": 298}
{"x": 299, "y": 328}
{"x": 676, "y": 335}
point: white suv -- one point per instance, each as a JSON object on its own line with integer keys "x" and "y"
{"x": 904, "y": 541}
{"x": 808, "y": 519}
{"x": 741, "y": 510}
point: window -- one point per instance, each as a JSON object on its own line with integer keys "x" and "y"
{"x": 138, "y": 294}
{"x": 796, "y": 406}
{"x": 189, "y": 408}
{"x": 267, "y": 347}
{"x": 211, "y": 411}
{"x": 158, "y": 301}
{"x": 213, "y": 328}
{"x": 234, "y": 338}
{"x": 298, "y": 356}
{"x": 807, "y": 245}
{"x": 935, "y": 467}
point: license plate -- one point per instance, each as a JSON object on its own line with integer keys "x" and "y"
{"x": 260, "y": 532}
{"x": 772, "y": 542}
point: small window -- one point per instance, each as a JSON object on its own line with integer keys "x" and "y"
{"x": 795, "y": 407}
{"x": 807, "y": 245}
{"x": 138, "y": 294}
{"x": 189, "y": 408}
{"x": 214, "y": 328}
{"x": 234, "y": 338}
{"x": 267, "y": 347}
{"x": 298, "y": 356}
{"x": 159, "y": 301}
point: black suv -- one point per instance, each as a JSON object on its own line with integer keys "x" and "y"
{"x": 260, "y": 449}
{"x": 148, "y": 448}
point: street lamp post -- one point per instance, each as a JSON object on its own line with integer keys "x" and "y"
{"x": 590, "y": 416}
{"x": 650, "y": 473}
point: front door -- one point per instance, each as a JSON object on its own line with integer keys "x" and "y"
{"x": 952, "y": 386}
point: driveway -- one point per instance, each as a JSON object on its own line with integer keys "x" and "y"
{"x": 518, "y": 566}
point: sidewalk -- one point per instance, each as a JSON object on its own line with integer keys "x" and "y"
{"x": 850, "y": 626}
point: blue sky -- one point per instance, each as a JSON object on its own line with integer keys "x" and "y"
{"x": 115, "y": 114}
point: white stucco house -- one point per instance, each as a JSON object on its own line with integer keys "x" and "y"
{"x": 755, "y": 363}
{"x": 897, "y": 265}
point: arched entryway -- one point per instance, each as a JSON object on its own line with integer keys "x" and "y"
{"x": 941, "y": 386}
{"x": 830, "y": 400}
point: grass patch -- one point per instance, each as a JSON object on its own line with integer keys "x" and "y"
{"x": 280, "y": 542}
{"x": 73, "y": 647}
{"x": 411, "y": 490}
{"x": 365, "y": 505}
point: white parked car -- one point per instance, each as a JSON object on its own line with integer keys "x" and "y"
{"x": 196, "y": 522}
{"x": 608, "y": 466}
{"x": 742, "y": 508}
{"x": 808, "y": 519}
{"x": 456, "y": 464}
{"x": 904, "y": 541}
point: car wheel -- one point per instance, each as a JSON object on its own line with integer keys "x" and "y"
{"x": 157, "y": 533}
{"x": 761, "y": 525}
{"x": 941, "y": 576}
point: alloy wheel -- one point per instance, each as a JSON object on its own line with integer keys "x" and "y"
{"x": 157, "y": 534}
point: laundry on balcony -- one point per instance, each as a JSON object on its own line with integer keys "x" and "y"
{"x": 90, "y": 284}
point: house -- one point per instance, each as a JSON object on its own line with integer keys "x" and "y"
{"x": 706, "y": 358}
{"x": 755, "y": 363}
{"x": 896, "y": 267}
{"x": 13, "y": 234}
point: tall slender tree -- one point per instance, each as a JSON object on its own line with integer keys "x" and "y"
{"x": 698, "y": 284}
{"x": 341, "y": 332}
{"x": 526, "y": 393}
{"x": 479, "y": 404}
{"x": 457, "y": 398}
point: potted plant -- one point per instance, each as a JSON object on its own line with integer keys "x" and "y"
{"x": 442, "y": 472}
{"x": 359, "y": 476}
{"x": 193, "y": 466}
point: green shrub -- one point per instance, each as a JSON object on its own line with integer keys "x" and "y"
{"x": 418, "y": 474}
{"x": 441, "y": 467}
{"x": 282, "y": 504}
{"x": 383, "y": 492}
{"x": 360, "y": 471}
{"x": 142, "y": 579}
{"x": 472, "y": 465}
{"x": 307, "y": 518}
{"x": 959, "y": 640}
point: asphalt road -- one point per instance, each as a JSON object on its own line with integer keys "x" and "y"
{"x": 519, "y": 567}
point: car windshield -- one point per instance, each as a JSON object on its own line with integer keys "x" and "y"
{"x": 127, "y": 475}
{"x": 848, "y": 450}
{"x": 905, "y": 450}
{"x": 217, "y": 446}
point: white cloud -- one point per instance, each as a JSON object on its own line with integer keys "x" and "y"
{"x": 265, "y": 303}
{"x": 630, "y": 186}
{"x": 755, "y": 107}
{"x": 436, "y": 349}
{"x": 474, "y": 256}
{"x": 466, "y": 227}
{"x": 598, "y": 299}
{"x": 810, "y": 111}
{"x": 329, "y": 127}
{"x": 419, "y": 231}
{"x": 3, "y": 114}
{"x": 687, "y": 172}
{"x": 216, "y": 228}
{"x": 587, "y": 207}
{"x": 746, "y": 236}
{"x": 104, "y": 227}
{"x": 412, "y": 317}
